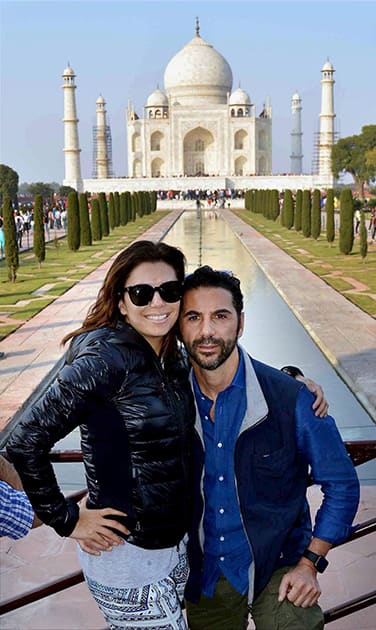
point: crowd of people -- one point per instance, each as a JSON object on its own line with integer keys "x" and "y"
{"x": 54, "y": 218}
{"x": 196, "y": 457}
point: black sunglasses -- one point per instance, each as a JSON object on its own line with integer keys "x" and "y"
{"x": 142, "y": 294}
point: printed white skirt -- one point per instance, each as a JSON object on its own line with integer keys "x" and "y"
{"x": 153, "y": 606}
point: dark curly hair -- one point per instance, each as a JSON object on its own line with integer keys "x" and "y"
{"x": 207, "y": 277}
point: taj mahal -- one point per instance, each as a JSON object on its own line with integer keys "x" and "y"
{"x": 198, "y": 132}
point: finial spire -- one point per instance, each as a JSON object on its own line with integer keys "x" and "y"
{"x": 197, "y": 27}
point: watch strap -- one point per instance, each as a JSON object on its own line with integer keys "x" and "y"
{"x": 319, "y": 562}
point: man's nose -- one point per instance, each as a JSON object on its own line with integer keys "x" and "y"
{"x": 207, "y": 327}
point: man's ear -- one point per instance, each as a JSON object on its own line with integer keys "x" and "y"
{"x": 241, "y": 325}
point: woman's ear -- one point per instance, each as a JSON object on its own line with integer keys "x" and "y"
{"x": 122, "y": 307}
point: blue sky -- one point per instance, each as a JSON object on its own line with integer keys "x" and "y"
{"x": 120, "y": 49}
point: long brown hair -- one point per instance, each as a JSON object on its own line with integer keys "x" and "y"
{"x": 105, "y": 311}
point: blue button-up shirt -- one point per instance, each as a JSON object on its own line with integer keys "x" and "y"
{"x": 226, "y": 547}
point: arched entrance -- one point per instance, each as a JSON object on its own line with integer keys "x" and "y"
{"x": 199, "y": 153}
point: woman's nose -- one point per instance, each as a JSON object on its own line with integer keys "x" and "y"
{"x": 156, "y": 299}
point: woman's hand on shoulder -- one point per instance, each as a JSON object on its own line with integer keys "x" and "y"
{"x": 320, "y": 405}
{"x": 92, "y": 529}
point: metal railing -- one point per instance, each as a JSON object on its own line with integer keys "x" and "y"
{"x": 359, "y": 451}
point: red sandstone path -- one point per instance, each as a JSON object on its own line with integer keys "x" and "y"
{"x": 345, "y": 334}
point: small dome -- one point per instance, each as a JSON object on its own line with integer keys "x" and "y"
{"x": 68, "y": 72}
{"x": 296, "y": 97}
{"x": 157, "y": 99}
{"x": 100, "y": 100}
{"x": 240, "y": 97}
{"x": 327, "y": 67}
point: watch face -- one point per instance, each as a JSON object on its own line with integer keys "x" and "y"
{"x": 321, "y": 564}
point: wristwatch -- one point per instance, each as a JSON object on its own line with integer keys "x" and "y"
{"x": 319, "y": 562}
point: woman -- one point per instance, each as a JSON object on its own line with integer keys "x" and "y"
{"x": 125, "y": 385}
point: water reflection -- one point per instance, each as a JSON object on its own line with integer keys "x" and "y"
{"x": 272, "y": 332}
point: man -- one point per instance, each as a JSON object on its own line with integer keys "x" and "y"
{"x": 257, "y": 435}
{"x": 16, "y": 513}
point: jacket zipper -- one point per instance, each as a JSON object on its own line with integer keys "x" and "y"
{"x": 242, "y": 521}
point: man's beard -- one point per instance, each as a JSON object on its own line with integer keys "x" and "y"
{"x": 211, "y": 362}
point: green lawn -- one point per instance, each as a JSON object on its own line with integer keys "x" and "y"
{"x": 36, "y": 287}
{"x": 349, "y": 275}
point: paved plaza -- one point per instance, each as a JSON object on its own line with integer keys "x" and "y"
{"x": 345, "y": 334}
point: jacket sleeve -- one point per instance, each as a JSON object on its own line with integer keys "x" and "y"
{"x": 331, "y": 467}
{"x": 60, "y": 410}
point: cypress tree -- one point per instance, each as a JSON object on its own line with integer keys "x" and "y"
{"x": 288, "y": 204}
{"x": 363, "y": 245}
{"x": 85, "y": 229}
{"x": 148, "y": 203}
{"x": 123, "y": 209}
{"x": 139, "y": 205}
{"x": 247, "y": 200}
{"x": 260, "y": 202}
{"x": 128, "y": 208}
{"x": 346, "y": 222}
{"x": 283, "y": 211}
{"x": 329, "y": 209}
{"x": 251, "y": 200}
{"x": 105, "y": 226}
{"x": 274, "y": 204}
{"x": 117, "y": 208}
{"x": 269, "y": 204}
{"x": 306, "y": 213}
{"x": 111, "y": 210}
{"x": 264, "y": 203}
{"x": 154, "y": 201}
{"x": 298, "y": 210}
{"x": 39, "y": 245}
{"x": 133, "y": 206}
{"x": 316, "y": 214}
{"x": 73, "y": 222}
{"x": 96, "y": 229}
{"x": 10, "y": 247}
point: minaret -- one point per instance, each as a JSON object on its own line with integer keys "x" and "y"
{"x": 296, "y": 156}
{"x": 326, "y": 135}
{"x": 101, "y": 153}
{"x": 71, "y": 144}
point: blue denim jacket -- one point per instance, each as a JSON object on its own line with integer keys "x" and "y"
{"x": 280, "y": 441}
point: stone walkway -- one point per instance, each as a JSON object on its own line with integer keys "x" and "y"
{"x": 344, "y": 333}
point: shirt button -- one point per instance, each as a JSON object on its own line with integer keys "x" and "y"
{"x": 221, "y": 511}
{"x": 219, "y": 444}
{"x": 221, "y": 558}
{"x": 220, "y": 478}
{"x": 206, "y": 417}
{"x": 221, "y": 538}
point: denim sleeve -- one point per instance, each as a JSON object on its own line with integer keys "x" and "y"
{"x": 322, "y": 447}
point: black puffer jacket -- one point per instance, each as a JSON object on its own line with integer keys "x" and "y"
{"x": 136, "y": 420}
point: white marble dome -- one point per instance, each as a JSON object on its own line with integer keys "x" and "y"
{"x": 157, "y": 99}
{"x": 296, "y": 97}
{"x": 100, "y": 100}
{"x": 240, "y": 97}
{"x": 198, "y": 73}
